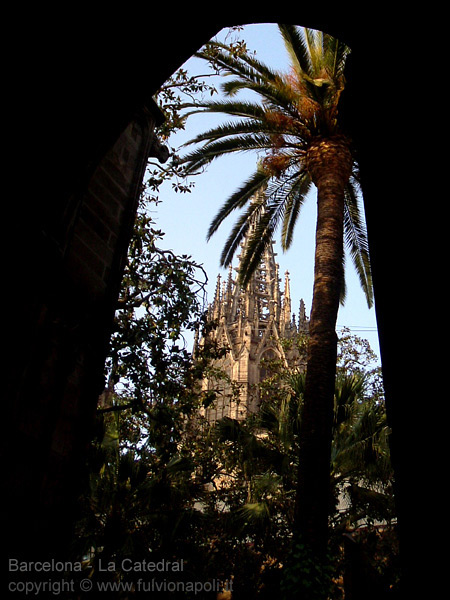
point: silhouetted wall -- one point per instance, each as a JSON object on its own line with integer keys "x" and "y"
{"x": 52, "y": 410}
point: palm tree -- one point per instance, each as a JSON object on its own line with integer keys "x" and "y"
{"x": 295, "y": 129}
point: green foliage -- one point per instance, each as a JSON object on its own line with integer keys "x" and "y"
{"x": 262, "y": 453}
{"x": 151, "y": 377}
{"x": 222, "y": 497}
{"x": 305, "y": 577}
{"x": 145, "y": 482}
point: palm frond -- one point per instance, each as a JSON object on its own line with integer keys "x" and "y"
{"x": 295, "y": 201}
{"x": 361, "y": 449}
{"x": 250, "y": 74}
{"x": 313, "y": 44}
{"x": 251, "y": 110}
{"x": 254, "y": 512}
{"x": 253, "y": 75}
{"x": 265, "y": 484}
{"x": 260, "y": 237}
{"x": 357, "y": 242}
{"x": 319, "y": 57}
{"x": 350, "y": 388}
{"x": 201, "y": 157}
{"x": 296, "y": 381}
{"x": 238, "y": 234}
{"x": 338, "y": 53}
{"x": 245, "y": 65}
{"x": 262, "y": 220}
{"x": 282, "y": 200}
{"x": 296, "y": 47}
{"x": 256, "y": 182}
{"x": 230, "y": 129}
{"x": 279, "y": 96}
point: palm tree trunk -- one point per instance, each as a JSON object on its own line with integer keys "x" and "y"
{"x": 329, "y": 163}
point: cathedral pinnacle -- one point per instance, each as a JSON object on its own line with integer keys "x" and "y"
{"x": 252, "y": 321}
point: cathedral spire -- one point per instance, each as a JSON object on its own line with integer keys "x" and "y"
{"x": 216, "y": 304}
{"x": 252, "y": 321}
{"x": 302, "y": 318}
{"x": 287, "y": 307}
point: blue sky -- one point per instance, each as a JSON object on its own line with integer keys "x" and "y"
{"x": 185, "y": 217}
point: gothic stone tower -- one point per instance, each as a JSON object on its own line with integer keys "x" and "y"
{"x": 254, "y": 324}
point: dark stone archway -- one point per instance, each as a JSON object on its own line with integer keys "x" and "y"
{"x": 78, "y": 86}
